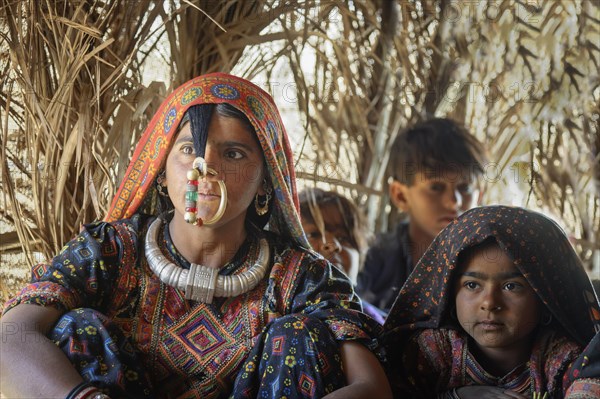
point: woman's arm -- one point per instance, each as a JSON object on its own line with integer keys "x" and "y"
{"x": 31, "y": 365}
{"x": 364, "y": 374}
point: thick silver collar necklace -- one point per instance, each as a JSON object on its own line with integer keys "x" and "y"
{"x": 202, "y": 283}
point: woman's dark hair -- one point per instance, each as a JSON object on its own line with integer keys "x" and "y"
{"x": 199, "y": 117}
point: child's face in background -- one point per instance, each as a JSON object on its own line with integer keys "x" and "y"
{"x": 495, "y": 304}
{"x": 336, "y": 244}
{"x": 434, "y": 200}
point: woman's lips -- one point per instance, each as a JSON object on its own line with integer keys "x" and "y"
{"x": 489, "y": 325}
{"x": 208, "y": 196}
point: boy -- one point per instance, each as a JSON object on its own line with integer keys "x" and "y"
{"x": 434, "y": 171}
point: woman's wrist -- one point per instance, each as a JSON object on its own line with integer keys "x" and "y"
{"x": 85, "y": 390}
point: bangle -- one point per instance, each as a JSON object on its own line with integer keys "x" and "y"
{"x": 85, "y": 390}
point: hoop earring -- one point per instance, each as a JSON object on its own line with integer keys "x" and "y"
{"x": 546, "y": 319}
{"x": 162, "y": 189}
{"x": 262, "y": 204}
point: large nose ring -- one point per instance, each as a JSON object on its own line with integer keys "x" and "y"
{"x": 201, "y": 170}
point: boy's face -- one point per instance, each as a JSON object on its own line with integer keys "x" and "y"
{"x": 435, "y": 200}
{"x": 495, "y": 304}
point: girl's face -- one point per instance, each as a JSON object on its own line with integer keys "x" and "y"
{"x": 234, "y": 153}
{"x": 495, "y": 304}
{"x": 336, "y": 244}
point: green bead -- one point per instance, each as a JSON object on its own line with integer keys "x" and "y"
{"x": 191, "y": 196}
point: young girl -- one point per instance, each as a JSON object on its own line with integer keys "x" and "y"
{"x": 335, "y": 228}
{"x": 199, "y": 299}
{"x": 498, "y": 307}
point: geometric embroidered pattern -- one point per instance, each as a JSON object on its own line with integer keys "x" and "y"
{"x": 278, "y": 344}
{"x": 200, "y": 342}
{"x": 307, "y": 385}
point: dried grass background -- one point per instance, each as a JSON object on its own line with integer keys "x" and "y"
{"x": 522, "y": 75}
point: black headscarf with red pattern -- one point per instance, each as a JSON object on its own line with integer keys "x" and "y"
{"x": 540, "y": 250}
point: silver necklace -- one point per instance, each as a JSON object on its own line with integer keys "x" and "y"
{"x": 202, "y": 283}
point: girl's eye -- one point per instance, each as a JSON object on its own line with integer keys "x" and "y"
{"x": 234, "y": 154}
{"x": 470, "y": 285}
{"x": 512, "y": 286}
{"x": 313, "y": 235}
{"x": 345, "y": 240}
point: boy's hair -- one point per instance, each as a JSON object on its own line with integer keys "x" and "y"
{"x": 435, "y": 146}
{"x": 311, "y": 199}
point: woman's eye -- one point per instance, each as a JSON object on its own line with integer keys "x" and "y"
{"x": 234, "y": 154}
{"x": 471, "y": 285}
{"x": 187, "y": 149}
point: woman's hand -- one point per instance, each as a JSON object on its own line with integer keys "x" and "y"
{"x": 364, "y": 374}
{"x": 491, "y": 392}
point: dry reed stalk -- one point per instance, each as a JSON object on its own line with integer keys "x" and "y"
{"x": 522, "y": 76}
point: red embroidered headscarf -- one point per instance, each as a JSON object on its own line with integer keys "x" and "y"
{"x": 153, "y": 147}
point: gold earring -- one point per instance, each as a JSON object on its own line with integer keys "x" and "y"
{"x": 262, "y": 205}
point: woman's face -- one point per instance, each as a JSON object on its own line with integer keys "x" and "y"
{"x": 336, "y": 245}
{"x": 495, "y": 304}
{"x": 234, "y": 153}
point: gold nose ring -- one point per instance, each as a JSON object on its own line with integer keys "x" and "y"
{"x": 201, "y": 170}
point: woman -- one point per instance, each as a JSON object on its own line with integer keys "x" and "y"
{"x": 201, "y": 301}
{"x": 499, "y": 306}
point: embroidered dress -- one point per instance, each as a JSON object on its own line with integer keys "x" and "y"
{"x": 134, "y": 336}
{"x": 420, "y": 330}
{"x": 437, "y": 360}
{"x": 584, "y": 375}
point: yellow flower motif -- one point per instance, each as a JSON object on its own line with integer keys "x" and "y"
{"x": 298, "y": 325}
{"x": 287, "y": 382}
{"x": 290, "y": 361}
{"x": 225, "y": 91}
{"x": 293, "y": 351}
{"x": 270, "y": 369}
{"x": 91, "y": 330}
{"x": 57, "y": 275}
{"x": 250, "y": 367}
